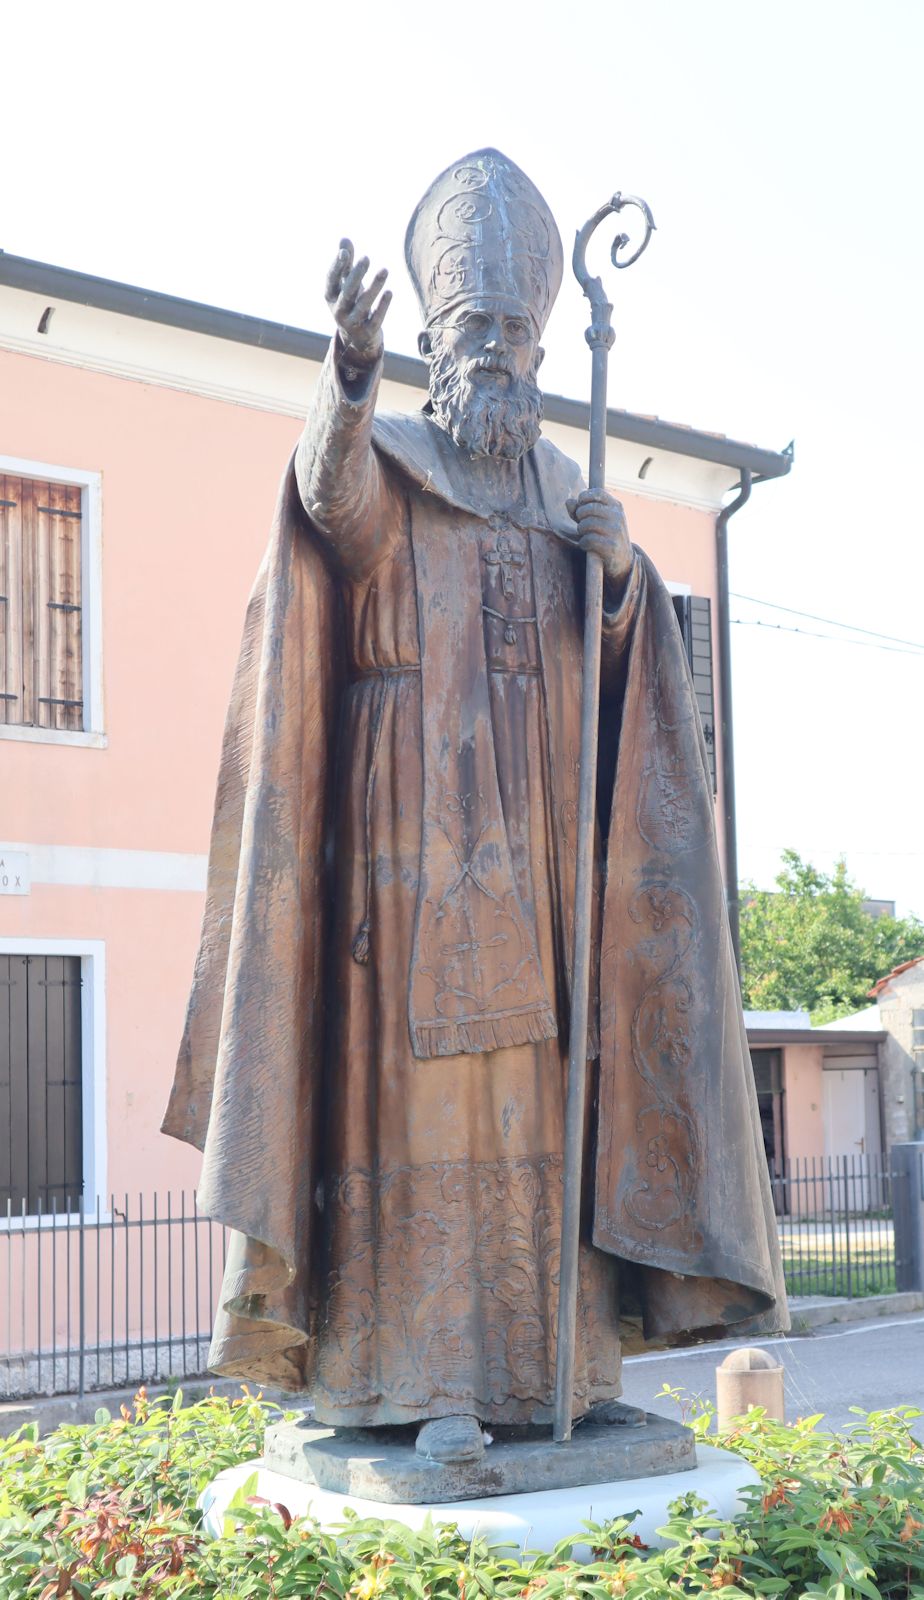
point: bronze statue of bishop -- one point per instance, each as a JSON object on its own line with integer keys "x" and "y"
{"x": 376, "y": 1043}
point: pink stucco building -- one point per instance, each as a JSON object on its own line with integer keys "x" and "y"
{"x": 141, "y": 443}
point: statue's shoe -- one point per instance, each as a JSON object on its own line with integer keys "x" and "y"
{"x": 615, "y": 1414}
{"x": 451, "y": 1439}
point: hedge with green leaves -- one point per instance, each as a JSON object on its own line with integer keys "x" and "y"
{"x": 109, "y": 1509}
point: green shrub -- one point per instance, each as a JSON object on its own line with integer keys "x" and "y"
{"x": 110, "y": 1509}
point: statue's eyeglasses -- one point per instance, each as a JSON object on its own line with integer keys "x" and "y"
{"x": 515, "y": 330}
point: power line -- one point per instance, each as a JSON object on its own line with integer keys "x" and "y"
{"x": 851, "y": 627}
{"x": 808, "y": 633}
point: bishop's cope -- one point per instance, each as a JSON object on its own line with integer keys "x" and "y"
{"x": 375, "y": 1050}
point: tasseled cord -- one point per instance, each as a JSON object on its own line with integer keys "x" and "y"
{"x": 362, "y": 938}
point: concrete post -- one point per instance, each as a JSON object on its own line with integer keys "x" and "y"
{"x": 908, "y": 1211}
{"x": 748, "y": 1378}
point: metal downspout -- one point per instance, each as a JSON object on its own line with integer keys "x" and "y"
{"x": 725, "y": 700}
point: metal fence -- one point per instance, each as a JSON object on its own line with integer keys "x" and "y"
{"x": 98, "y": 1296}
{"x": 124, "y": 1292}
{"x": 836, "y": 1218}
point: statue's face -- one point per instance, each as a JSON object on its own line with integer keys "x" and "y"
{"x": 483, "y": 391}
{"x": 490, "y": 346}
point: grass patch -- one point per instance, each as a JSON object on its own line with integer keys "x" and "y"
{"x": 814, "y": 1267}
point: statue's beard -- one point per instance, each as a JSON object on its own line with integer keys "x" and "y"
{"x": 488, "y": 416}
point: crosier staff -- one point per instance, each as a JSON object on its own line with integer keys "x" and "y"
{"x": 600, "y": 338}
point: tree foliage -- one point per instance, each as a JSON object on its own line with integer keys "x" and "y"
{"x": 809, "y": 945}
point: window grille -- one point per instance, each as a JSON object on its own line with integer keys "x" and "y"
{"x": 41, "y": 644}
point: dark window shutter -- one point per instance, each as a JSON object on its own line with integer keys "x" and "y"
{"x": 694, "y": 616}
{"x": 41, "y": 1160}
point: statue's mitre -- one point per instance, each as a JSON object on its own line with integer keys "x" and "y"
{"x": 483, "y": 232}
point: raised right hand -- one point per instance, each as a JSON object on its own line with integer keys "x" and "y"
{"x": 358, "y": 312}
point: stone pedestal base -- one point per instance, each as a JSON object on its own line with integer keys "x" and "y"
{"x": 511, "y": 1522}
{"x": 383, "y": 1464}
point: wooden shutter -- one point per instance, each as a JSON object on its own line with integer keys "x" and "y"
{"x": 57, "y": 657}
{"x": 11, "y": 669}
{"x": 694, "y": 614}
{"x": 41, "y": 1111}
{"x": 41, "y": 654}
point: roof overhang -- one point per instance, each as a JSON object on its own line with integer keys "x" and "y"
{"x": 849, "y": 1042}
{"x": 61, "y": 283}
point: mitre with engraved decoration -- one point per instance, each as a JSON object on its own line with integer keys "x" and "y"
{"x": 483, "y": 233}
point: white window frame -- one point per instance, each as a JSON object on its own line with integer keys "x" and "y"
{"x": 92, "y": 953}
{"x": 93, "y": 733}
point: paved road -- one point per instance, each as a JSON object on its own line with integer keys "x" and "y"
{"x": 873, "y": 1365}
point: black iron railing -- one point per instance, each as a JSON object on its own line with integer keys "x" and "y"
{"x": 97, "y": 1296}
{"x": 836, "y": 1219}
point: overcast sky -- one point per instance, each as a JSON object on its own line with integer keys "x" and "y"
{"x": 218, "y": 152}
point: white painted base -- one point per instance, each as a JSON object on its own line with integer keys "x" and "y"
{"x": 516, "y": 1521}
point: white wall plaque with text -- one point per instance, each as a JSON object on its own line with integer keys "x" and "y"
{"x": 14, "y": 872}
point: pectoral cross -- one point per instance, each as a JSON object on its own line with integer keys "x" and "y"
{"x": 506, "y": 559}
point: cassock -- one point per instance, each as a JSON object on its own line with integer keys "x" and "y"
{"x": 375, "y": 1052}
